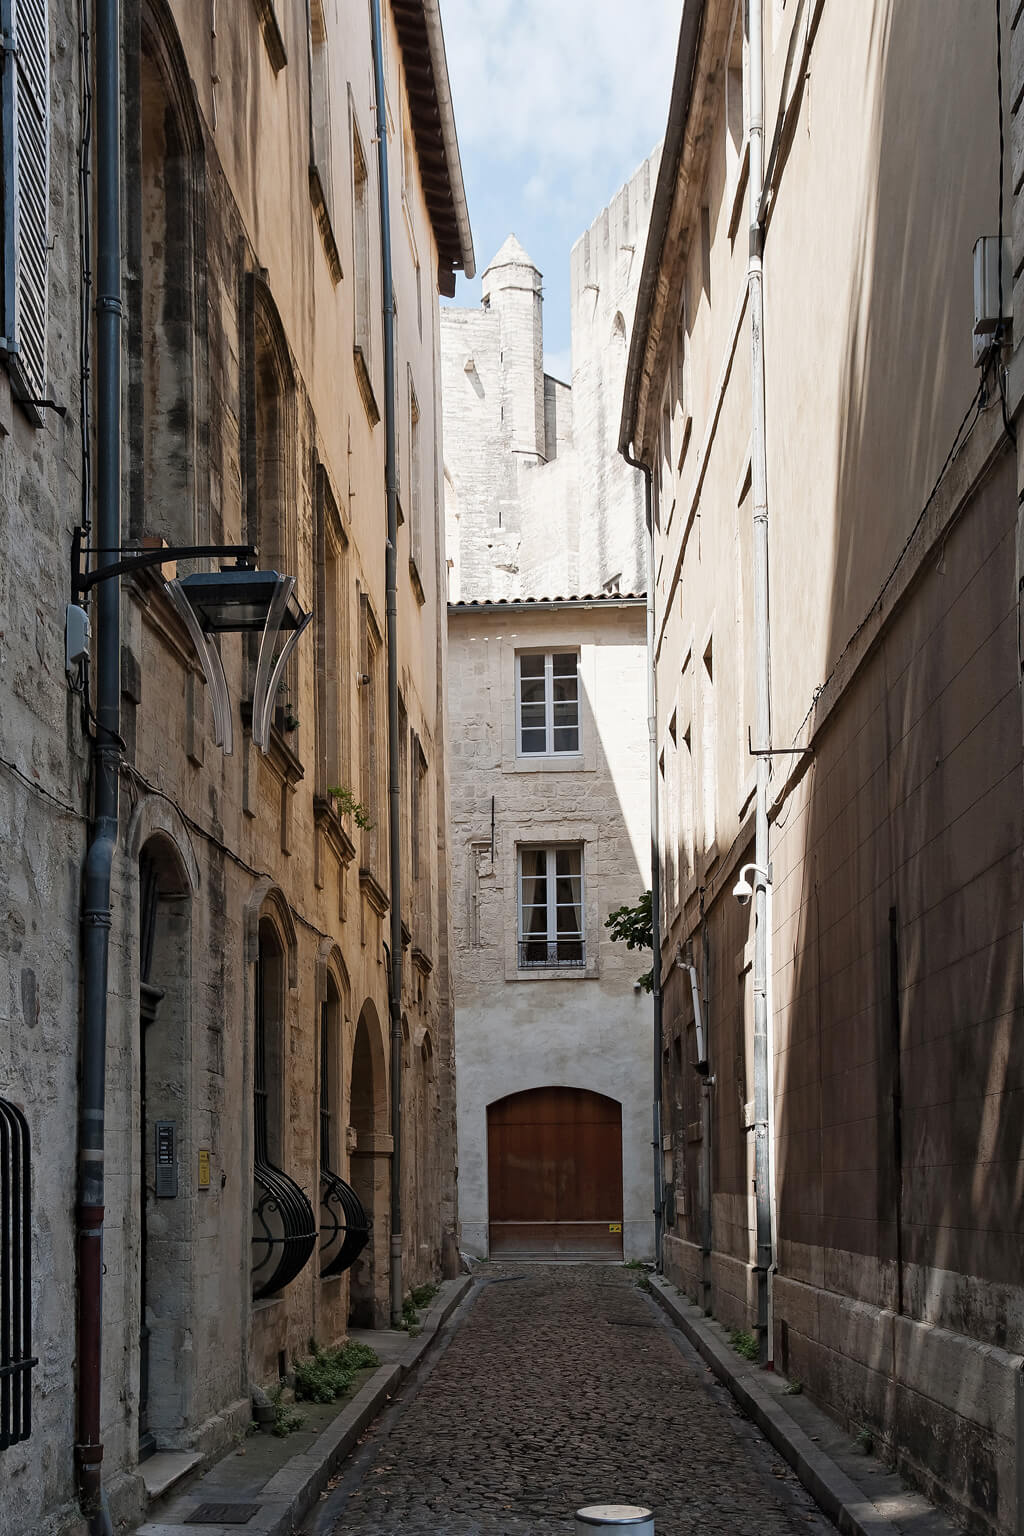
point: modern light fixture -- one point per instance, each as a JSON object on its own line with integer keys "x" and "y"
{"x": 237, "y": 599}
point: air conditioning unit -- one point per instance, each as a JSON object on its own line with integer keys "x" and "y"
{"x": 989, "y": 314}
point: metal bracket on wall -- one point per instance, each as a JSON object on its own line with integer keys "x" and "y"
{"x": 776, "y": 751}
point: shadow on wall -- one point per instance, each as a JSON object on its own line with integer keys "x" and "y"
{"x": 899, "y": 1178}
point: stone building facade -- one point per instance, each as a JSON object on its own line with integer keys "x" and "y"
{"x": 550, "y": 811}
{"x": 247, "y": 1033}
{"x": 895, "y": 828}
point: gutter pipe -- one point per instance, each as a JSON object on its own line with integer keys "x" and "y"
{"x": 96, "y": 908}
{"x": 652, "y": 759}
{"x": 391, "y": 600}
{"x": 763, "y": 1064}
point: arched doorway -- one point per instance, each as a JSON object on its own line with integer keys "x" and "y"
{"x": 164, "y": 1053}
{"x": 370, "y": 1174}
{"x": 554, "y": 1175}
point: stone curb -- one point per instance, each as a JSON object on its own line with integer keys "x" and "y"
{"x": 287, "y": 1498}
{"x": 835, "y": 1493}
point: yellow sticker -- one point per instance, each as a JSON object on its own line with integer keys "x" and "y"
{"x": 615, "y": 1226}
{"x": 204, "y": 1167}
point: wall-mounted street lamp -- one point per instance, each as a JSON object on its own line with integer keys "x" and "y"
{"x": 237, "y": 599}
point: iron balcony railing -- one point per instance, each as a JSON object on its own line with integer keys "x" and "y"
{"x": 284, "y": 1231}
{"x": 344, "y": 1225}
{"x": 16, "y": 1358}
{"x": 536, "y": 953}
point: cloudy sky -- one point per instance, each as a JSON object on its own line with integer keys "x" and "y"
{"x": 556, "y": 104}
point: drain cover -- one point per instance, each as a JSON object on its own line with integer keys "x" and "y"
{"x": 629, "y": 1322}
{"x": 222, "y": 1514}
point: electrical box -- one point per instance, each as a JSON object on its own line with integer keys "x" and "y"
{"x": 166, "y": 1160}
{"x": 989, "y": 314}
{"x": 77, "y": 634}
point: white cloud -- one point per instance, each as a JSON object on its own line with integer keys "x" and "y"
{"x": 557, "y": 102}
{"x": 572, "y": 88}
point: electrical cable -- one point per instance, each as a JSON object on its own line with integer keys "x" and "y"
{"x": 138, "y": 780}
{"x": 998, "y": 338}
{"x": 963, "y": 433}
{"x": 85, "y": 225}
{"x": 19, "y": 773}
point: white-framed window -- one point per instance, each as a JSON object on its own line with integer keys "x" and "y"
{"x": 25, "y": 182}
{"x": 551, "y": 906}
{"x": 547, "y": 703}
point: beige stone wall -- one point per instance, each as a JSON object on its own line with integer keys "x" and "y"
{"x": 895, "y": 841}
{"x": 520, "y": 1029}
{"x": 255, "y": 426}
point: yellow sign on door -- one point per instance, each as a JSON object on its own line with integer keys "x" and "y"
{"x": 615, "y": 1226}
{"x": 204, "y": 1167}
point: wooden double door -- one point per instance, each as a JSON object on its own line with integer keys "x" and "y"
{"x": 554, "y": 1174}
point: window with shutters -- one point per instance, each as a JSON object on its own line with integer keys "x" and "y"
{"x": 25, "y": 146}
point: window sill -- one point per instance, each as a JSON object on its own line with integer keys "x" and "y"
{"x": 365, "y": 386}
{"x": 552, "y": 973}
{"x": 737, "y": 190}
{"x": 318, "y": 194}
{"x": 270, "y": 27}
{"x": 570, "y": 762}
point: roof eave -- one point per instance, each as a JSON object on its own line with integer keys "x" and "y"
{"x": 661, "y": 208}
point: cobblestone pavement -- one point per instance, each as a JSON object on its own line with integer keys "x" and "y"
{"x": 563, "y": 1386}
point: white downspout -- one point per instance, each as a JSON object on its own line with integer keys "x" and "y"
{"x": 763, "y": 1065}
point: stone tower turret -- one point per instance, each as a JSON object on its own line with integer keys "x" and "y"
{"x": 512, "y": 288}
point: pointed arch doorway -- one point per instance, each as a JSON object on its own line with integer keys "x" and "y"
{"x": 554, "y": 1175}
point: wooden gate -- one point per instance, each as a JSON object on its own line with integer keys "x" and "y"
{"x": 554, "y": 1158}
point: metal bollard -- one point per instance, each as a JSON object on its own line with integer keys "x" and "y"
{"x": 609, "y": 1516}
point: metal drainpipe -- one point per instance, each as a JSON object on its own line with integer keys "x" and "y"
{"x": 96, "y": 912}
{"x": 391, "y": 586}
{"x": 762, "y": 907}
{"x": 652, "y": 743}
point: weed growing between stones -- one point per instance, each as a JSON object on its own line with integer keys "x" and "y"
{"x": 287, "y": 1418}
{"x": 420, "y": 1296}
{"x": 744, "y": 1343}
{"x": 329, "y": 1373}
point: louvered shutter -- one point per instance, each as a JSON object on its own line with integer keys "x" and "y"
{"x": 26, "y": 172}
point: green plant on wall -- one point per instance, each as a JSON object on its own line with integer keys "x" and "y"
{"x": 348, "y": 805}
{"x": 633, "y": 926}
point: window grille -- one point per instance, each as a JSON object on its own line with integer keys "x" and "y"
{"x": 16, "y": 1358}
{"x": 548, "y": 703}
{"x": 551, "y": 907}
{"x": 25, "y": 143}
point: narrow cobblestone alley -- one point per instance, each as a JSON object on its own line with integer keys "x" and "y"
{"x": 562, "y": 1386}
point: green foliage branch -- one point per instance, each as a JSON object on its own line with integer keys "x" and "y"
{"x": 634, "y": 927}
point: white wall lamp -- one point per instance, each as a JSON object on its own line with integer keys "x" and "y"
{"x": 237, "y": 599}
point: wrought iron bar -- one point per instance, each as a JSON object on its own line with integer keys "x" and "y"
{"x": 537, "y": 953}
{"x": 16, "y": 1358}
{"x": 344, "y": 1225}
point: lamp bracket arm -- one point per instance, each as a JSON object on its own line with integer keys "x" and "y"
{"x": 139, "y": 559}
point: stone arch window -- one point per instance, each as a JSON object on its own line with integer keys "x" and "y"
{"x": 270, "y": 458}
{"x": 370, "y": 1165}
{"x": 166, "y": 297}
{"x": 284, "y": 1227}
{"x": 271, "y": 468}
{"x": 618, "y": 327}
{"x": 344, "y": 1227}
{"x": 164, "y": 1147}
